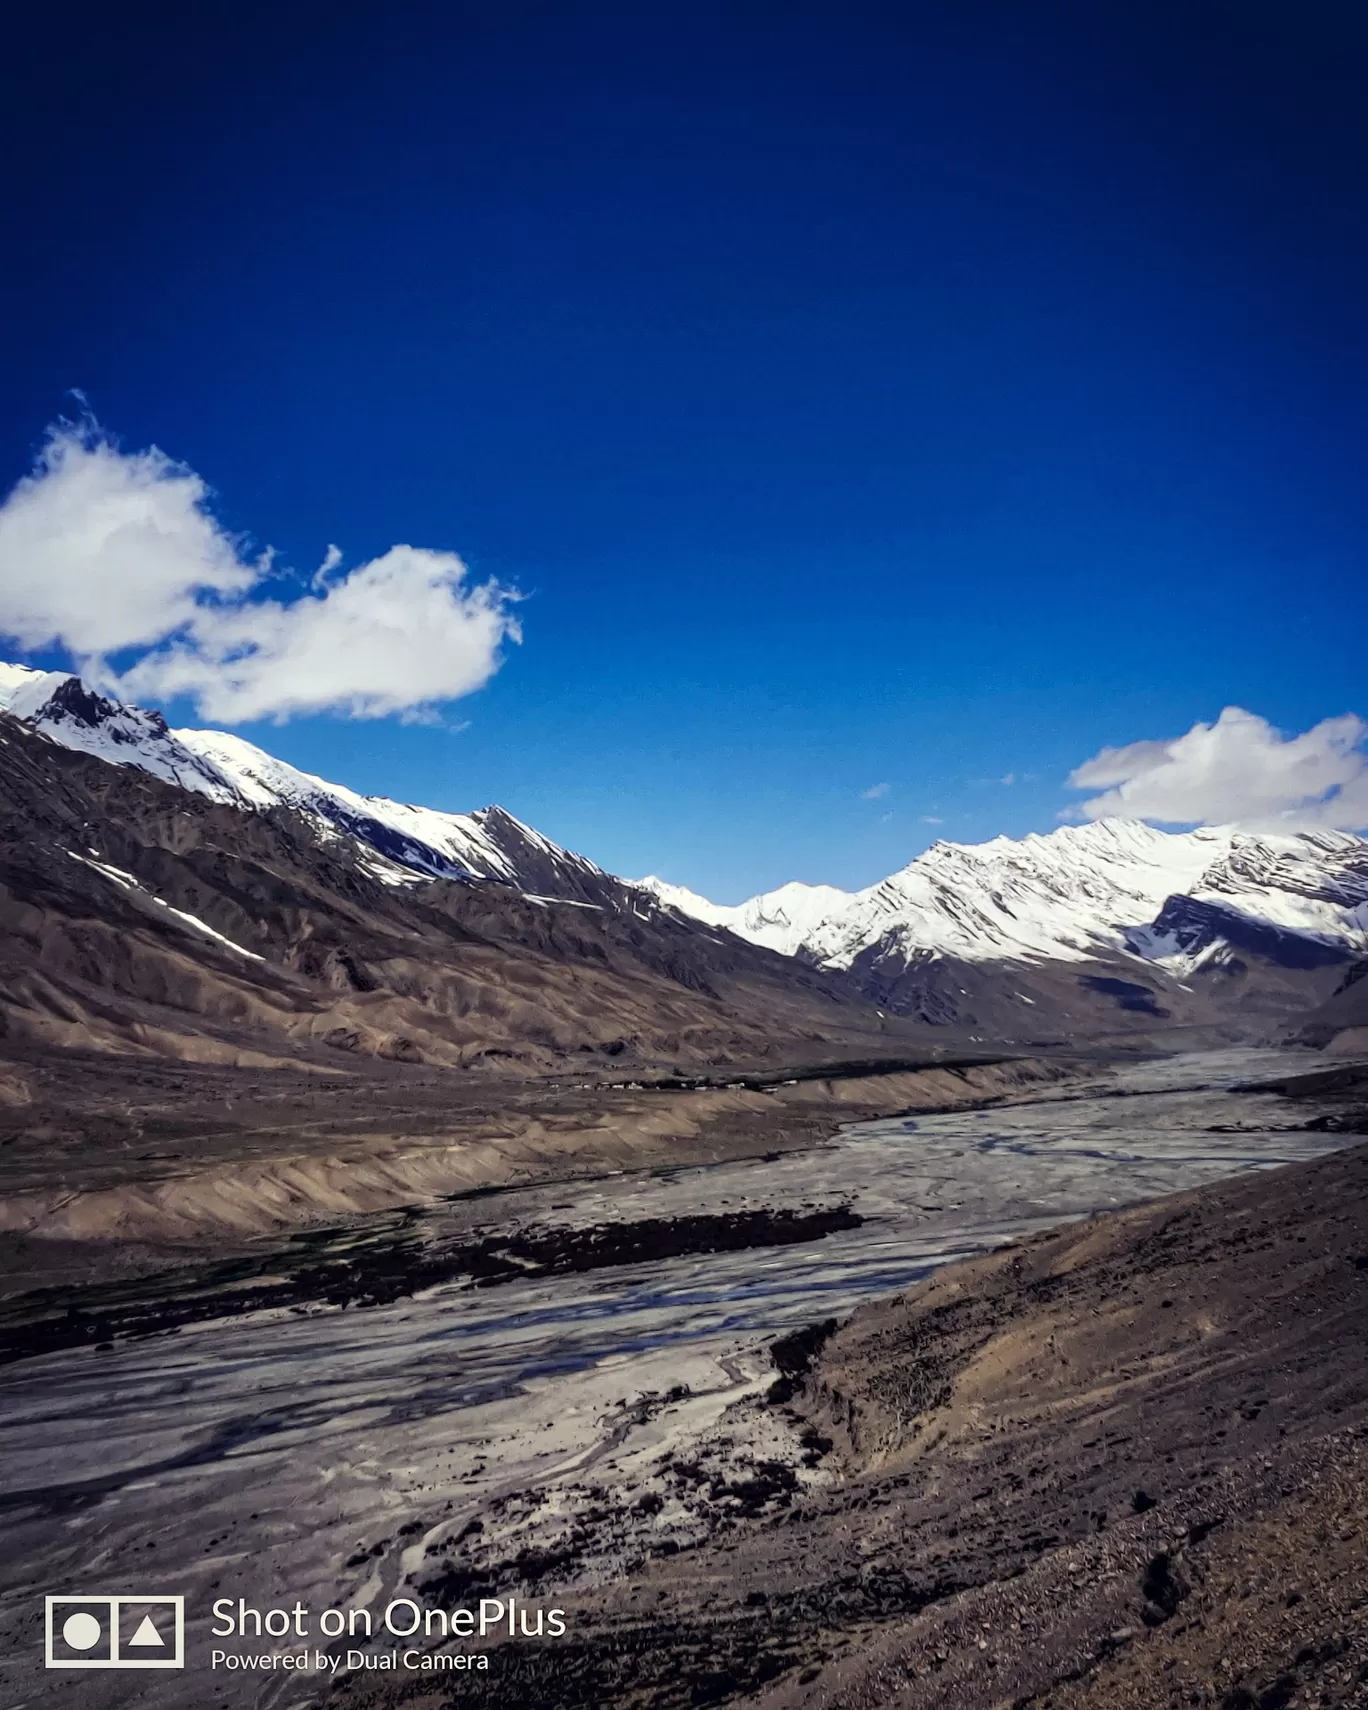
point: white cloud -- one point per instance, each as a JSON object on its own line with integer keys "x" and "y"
{"x": 1237, "y": 771}
{"x": 931, "y": 819}
{"x": 103, "y": 551}
{"x": 875, "y": 792}
{"x": 393, "y": 636}
{"x": 331, "y": 559}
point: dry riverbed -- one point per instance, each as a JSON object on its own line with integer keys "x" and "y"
{"x": 723, "y": 1504}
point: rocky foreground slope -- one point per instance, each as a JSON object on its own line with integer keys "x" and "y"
{"x": 1119, "y": 1466}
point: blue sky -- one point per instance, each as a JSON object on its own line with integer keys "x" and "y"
{"x": 858, "y": 396}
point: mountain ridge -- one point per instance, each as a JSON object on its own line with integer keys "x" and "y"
{"x": 401, "y": 843}
{"x": 137, "y": 917}
{"x": 976, "y": 935}
{"x": 1066, "y": 894}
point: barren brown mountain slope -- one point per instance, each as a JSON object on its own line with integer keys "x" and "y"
{"x": 1340, "y": 1024}
{"x": 1120, "y": 1466}
{"x": 212, "y": 1022}
{"x": 136, "y": 918}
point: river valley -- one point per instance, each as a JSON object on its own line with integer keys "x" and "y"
{"x": 553, "y": 1432}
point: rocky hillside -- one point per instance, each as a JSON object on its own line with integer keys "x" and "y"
{"x": 137, "y": 916}
{"x": 1106, "y": 932}
{"x": 395, "y": 841}
{"x": 1245, "y": 925}
{"x": 1341, "y": 1022}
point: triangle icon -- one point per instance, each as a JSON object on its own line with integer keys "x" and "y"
{"x": 147, "y": 1634}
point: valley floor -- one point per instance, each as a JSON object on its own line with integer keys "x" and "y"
{"x": 1117, "y": 1466}
{"x": 1113, "y": 1462}
{"x": 115, "y": 1167}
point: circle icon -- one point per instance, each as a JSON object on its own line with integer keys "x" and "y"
{"x": 81, "y": 1631}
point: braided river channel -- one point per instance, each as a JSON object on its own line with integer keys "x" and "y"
{"x": 330, "y": 1456}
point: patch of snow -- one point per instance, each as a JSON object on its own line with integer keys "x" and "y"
{"x": 129, "y": 883}
{"x": 118, "y": 875}
{"x": 203, "y": 926}
{"x": 782, "y": 919}
{"x": 23, "y": 691}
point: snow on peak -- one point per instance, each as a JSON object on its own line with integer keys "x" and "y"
{"x": 71, "y": 712}
{"x": 398, "y": 842}
{"x": 1066, "y": 894}
{"x": 687, "y": 901}
{"x": 1311, "y": 882}
{"x": 488, "y": 844}
{"x": 781, "y": 919}
{"x": 24, "y": 691}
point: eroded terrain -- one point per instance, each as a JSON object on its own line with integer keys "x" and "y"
{"x": 619, "y": 1440}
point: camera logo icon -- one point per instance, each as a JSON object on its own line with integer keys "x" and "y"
{"x": 115, "y": 1632}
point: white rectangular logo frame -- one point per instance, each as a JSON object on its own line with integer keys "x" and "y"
{"x": 114, "y": 1659}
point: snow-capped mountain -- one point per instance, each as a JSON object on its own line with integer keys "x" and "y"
{"x": 398, "y": 842}
{"x": 1179, "y": 901}
{"x": 142, "y": 918}
{"x": 70, "y": 712}
{"x": 782, "y": 920}
{"x": 1067, "y": 895}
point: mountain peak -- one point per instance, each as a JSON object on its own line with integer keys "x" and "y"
{"x": 24, "y": 691}
{"x": 1068, "y": 894}
{"x": 74, "y": 699}
{"x": 399, "y": 843}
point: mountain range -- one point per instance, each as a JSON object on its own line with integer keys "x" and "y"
{"x": 1067, "y": 895}
{"x": 397, "y": 842}
{"x": 1080, "y": 932}
{"x": 185, "y": 896}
